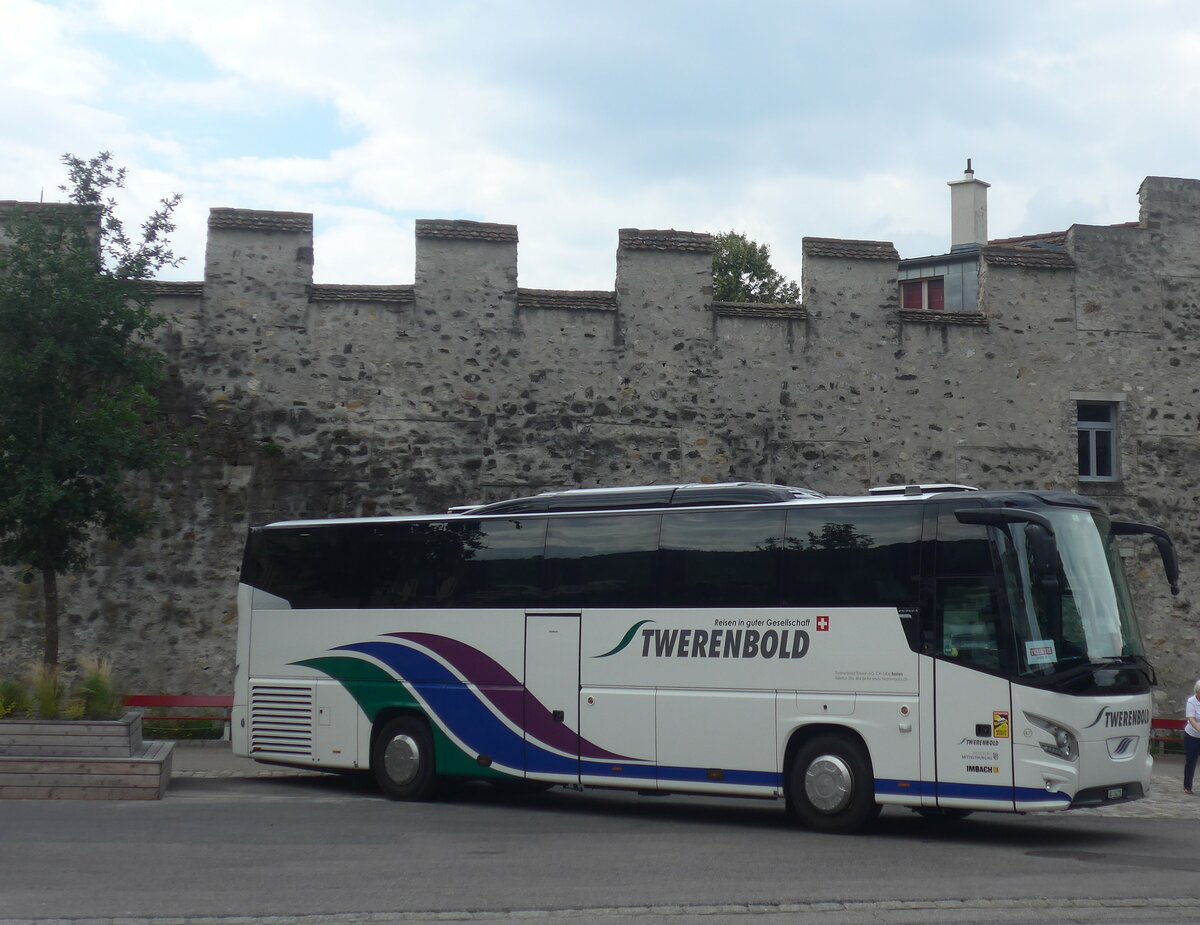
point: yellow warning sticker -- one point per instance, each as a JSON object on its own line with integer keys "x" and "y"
{"x": 1000, "y": 724}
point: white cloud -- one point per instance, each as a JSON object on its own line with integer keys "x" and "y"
{"x": 779, "y": 120}
{"x": 43, "y": 55}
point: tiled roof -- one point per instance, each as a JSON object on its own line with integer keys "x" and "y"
{"x": 760, "y": 310}
{"x": 260, "y": 220}
{"x": 1046, "y": 251}
{"x": 465, "y": 231}
{"x": 576, "y": 300}
{"x": 332, "y": 293}
{"x": 854, "y": 250}
{"x": 172, "y": 288}
{"x": 1032, "y": 257}
{"x": 671, "y": 240}
{"x": 1049, "y": 237}
{"x": 924, "y": 317}
{"x": 62, "y": 208}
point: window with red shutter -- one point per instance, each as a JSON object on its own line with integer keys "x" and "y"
{"x": 923, "y": 295}
{"x": 936, "y": 290}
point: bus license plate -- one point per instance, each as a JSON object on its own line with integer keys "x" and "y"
{"x": 1115, "y": 793}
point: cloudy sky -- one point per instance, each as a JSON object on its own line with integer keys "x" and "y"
{"x": 573, "y": 119}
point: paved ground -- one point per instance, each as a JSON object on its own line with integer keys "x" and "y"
{"x": 1166, "y": 800}
{"x": 229, "y": 848}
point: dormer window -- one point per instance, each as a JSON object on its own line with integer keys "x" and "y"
{"x": 948, "y": 283}
{"x": 924, "y": 295}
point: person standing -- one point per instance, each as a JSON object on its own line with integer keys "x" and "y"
{"x": 1191, "y": 737}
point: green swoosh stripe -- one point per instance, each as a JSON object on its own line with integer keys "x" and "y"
{"x": 628, "y": 639}
{"x": 375, "y": 691}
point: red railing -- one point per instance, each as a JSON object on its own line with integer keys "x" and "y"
{"x": 218, "y": 707}
{"x": 1163, "y": 731}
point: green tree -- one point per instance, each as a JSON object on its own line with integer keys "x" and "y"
{"x": 742, "y": 272}
{"x": 78, "y": 374}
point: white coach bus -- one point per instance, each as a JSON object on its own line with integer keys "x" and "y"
{"x": 933, "y": 647}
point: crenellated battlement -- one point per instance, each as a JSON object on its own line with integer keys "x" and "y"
{"x": 309, "y": 399}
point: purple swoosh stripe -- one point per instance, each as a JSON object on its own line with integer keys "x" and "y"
{"x": 485, "y": 672}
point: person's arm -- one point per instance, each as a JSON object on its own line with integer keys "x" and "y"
{"x": 1192, "y": 719}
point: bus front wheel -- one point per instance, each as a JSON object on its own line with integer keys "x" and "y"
{"x": 403, "y": 760}
{"x": 830, "y": 785}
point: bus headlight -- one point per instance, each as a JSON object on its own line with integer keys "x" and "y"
{"x": 1064, "y": 746}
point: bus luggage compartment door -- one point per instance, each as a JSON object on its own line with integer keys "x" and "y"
{"x": 552, "y": 696}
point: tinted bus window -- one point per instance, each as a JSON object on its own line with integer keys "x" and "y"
{"x": 967, "y": 611}
{"x": 310, "y": 567}
{"x": 500, "y": 562}
{"x": 721, "y": 558}
{"x": 853, "y": 555}
{"x": 602, "y": 560}
{"x": 398, "y": 565}
{"x": 361, "y": 565}
{"x": 962, "y": 549}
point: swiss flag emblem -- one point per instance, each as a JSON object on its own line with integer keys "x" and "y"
{"x": 822, "y": 624}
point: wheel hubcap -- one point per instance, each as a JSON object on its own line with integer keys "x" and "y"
{"x": 828, "y": 783}
{"x": 402, "y": 759}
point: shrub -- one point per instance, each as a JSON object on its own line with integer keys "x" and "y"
{"x": 44, "y": 682}
{"x": 160, "y": 729}
{"x": 41, "y": 695}
{"x": 94, "y": 696}
{"x": 14, "y": 699}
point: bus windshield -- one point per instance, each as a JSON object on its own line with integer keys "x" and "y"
{"x": 1086, "y": 616}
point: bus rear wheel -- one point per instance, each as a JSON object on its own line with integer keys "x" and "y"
{"x": 830, "y": 785}
{"x": 403, "y": 759}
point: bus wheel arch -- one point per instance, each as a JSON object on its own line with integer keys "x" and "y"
{"x": 403, "y": 758}
{"x": 829, "y": 783}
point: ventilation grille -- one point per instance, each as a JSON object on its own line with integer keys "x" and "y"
{"x": 281, "y": 720}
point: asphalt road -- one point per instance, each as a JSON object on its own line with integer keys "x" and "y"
{"x": 331, "y": 851}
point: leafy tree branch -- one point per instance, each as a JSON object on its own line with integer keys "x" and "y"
{"x": 78, "y": 376}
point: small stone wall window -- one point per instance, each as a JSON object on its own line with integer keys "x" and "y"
{"x": 1097, "y": 441}
{"x": 923, "y": 295}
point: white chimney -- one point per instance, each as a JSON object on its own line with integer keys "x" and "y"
{"x": 968, "y": 210}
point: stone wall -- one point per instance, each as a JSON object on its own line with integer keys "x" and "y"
{"x": 313, "y": 400}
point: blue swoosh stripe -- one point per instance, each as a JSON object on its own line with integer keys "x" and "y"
{"x": 904, "y": 788}
{"x": 461, "y": 711}
{"x": 679, "y": 775}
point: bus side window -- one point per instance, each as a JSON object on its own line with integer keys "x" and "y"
{"x": 602, "y": 560}
{"x": 866, "y": 555}
{"x": 967, "y": 613}
{"x": 721, "y": 559}
{"x": 410, "y": 564}
{"x": 500, "y": 562}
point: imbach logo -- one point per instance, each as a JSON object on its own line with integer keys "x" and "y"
{"x": 716, "y": 643}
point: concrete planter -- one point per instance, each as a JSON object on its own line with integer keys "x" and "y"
{"x": 81, "y": 760}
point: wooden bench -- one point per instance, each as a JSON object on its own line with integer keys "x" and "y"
{"x": 218, "y": 707}
{"x": 1163, "y": 731}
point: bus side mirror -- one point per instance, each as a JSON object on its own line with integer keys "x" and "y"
{"x": 1162, "y": 539}
{"x": 1166, "y": 549}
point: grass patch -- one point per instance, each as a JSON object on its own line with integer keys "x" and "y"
{"x": 187, "y": 731}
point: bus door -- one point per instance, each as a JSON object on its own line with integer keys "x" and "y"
{"x": 552, "y": 695}
{"x": 973, "y": 703}
{"x": 974, "y": 738}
